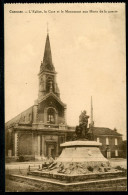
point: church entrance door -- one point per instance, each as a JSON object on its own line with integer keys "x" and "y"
{"x": 51, "y": 149}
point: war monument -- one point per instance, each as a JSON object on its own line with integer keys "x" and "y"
{"x": 80, "y": 164}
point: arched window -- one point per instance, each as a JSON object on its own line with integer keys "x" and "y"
{"x": 49, "y": 85}
{"x": 51, "y": 116}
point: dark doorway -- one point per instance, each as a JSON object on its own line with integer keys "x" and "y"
{"x": 51, "y": 150}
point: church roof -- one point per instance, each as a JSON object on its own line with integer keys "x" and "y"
{"x": 105, "y": 131}
{"x": 19, "y": 117}
{"x": 47, "y": 64}
{"x": 54, "y": 96}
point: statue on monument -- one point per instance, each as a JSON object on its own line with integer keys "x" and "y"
{"x": 82, "y": 132}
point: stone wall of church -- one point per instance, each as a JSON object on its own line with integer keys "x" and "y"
{"x": 61, "y": 120}
{"x": 35, "y": 144}
{"x": 41, "y": 117}
{"x": 24, "y": 144}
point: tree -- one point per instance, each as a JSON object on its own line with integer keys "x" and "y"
{"x": 123, "y": 147}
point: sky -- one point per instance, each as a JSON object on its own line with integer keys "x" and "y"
{"x": 88, "y": 52}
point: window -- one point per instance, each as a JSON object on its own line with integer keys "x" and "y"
{"x": 99, "y": 140}
{"x": 49, "y": 85}
{"x": 51, "y": 116}
{"x": 107, "y": 141}
{"x": 116, "y": 141}
{"x": 116, "y": 152}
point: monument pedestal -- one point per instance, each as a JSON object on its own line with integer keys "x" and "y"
{"x": 78, "y": 160}
{"x": 81, "y": 157}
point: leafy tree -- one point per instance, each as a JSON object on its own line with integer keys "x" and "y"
{"x": 123, "y": 147}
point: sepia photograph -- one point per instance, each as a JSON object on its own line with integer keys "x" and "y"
{"x": 65, "y": 97}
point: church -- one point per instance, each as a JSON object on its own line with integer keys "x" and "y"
{"x": 39, "y": 130}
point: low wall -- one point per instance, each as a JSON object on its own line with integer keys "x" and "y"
{"x": 116, "y": 184}
{"x": 73, "y": 178}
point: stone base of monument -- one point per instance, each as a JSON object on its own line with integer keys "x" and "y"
{"x": 77, "y": 178}
{"x": 53, "y": 185}
{"x": 79, "y": 161}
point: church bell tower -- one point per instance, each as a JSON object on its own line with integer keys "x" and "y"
{"x": 50, "y": 109}
{"x": 47, "y": 74}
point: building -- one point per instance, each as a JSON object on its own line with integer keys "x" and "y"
{"x": 39, "y": 130}
{"x": 110, "y": 140}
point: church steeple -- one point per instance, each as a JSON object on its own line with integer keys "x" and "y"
{"x": 47, "y": 64}
{"x": 47, "y": 74}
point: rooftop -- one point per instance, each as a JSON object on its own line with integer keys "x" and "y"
{"x": 105, "y": 131}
